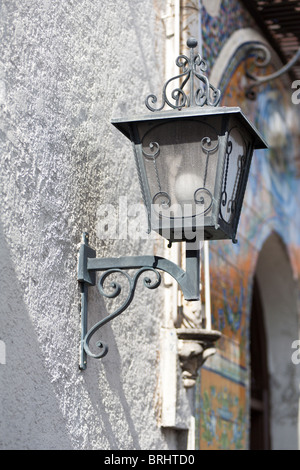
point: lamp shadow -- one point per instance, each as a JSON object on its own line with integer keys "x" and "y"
{"x": 30, "y": 416}
{"x": 106, "y": 375}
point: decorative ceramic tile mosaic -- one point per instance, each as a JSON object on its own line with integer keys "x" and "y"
{"x": 216, "y": 30}
{"x": 271, "y": 204}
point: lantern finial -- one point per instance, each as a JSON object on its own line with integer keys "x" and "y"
{"x": 192, "y": 70}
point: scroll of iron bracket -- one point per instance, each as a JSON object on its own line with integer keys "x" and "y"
{"x": 88, "y": 265}
{"x": 262, "y": 58}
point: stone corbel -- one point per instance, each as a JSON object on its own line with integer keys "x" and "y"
{"x": 195, "y": 346}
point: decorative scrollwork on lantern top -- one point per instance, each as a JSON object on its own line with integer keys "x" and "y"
{"x": 192, "y": 68}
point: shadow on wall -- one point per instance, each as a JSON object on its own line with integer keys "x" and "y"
{"x": 30, "y": 417}
{"x": 104, "y": 378}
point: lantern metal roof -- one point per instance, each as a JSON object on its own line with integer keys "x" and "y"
{"x": 123, "y": 125}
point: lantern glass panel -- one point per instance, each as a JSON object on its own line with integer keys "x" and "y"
{"x": 234, "y": 167}
{"x": 180, "y": 160}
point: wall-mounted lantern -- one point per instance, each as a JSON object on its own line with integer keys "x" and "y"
{"x": 193, "y": 164}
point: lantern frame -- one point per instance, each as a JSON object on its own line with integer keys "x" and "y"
{"x": 210, "y": 225}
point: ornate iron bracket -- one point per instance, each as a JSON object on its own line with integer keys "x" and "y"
{"x": 88, "y": 265}
{"x": 262, "y": 58}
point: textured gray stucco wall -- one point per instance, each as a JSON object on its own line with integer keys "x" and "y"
{"x": 67, "y": 67}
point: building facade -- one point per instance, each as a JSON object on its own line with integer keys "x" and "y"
{"x": 67, "y": 69}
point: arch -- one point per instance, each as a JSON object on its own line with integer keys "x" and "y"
{"x": 260, "y": 391}
{"x": 278, "y": 295}
{"x": 237, "y": 40}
